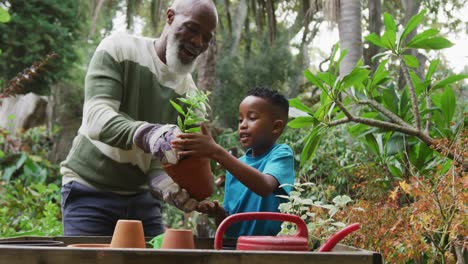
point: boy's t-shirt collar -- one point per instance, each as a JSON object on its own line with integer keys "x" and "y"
{"x": 248, "y": 153}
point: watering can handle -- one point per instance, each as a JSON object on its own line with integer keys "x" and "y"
{"x": 301, "y": 225}
{"x": 338, "y": 236}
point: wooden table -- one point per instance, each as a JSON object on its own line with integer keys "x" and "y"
{"x": 203, "y": 254}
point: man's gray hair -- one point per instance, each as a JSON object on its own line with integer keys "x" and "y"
{"x": 180, "y": 6}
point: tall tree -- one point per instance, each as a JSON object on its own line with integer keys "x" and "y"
{"x": 349, "y": 26}
{"x": 375, "y": 26}
{"x": 37, "y": 28}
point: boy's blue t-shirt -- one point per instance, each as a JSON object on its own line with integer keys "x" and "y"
{"x": 277, "y": 162}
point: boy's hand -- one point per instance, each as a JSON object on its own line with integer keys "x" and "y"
{"x": 195, "y": 144}
{"x": 212, "y": 209}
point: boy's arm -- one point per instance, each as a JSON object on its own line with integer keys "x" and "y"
{"x": 205, "y": 146}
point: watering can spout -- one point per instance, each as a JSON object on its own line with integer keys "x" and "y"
{"x": 337, "y": 237}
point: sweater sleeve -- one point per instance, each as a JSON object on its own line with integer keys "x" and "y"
{"x": 104, "y": 90}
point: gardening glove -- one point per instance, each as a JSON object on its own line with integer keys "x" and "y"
{"x": 163, "y": 187}
{"x": 156, "y": 139}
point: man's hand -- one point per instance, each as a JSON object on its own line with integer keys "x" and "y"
{"x": 163, "y": 187}
{"x": 156, "y": 139}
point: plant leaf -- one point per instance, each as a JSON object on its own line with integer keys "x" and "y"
{"x": 450, "y": 80}
{"x": 311, "y": 143}
{"x": 177, "y": 107}
{"x": 432, "y": 67}
{"x": 411, "y": 25}
{"x": 301, "y": 121}
{"x": 424, "y": 35}
{"x": 389, "y": 39}
{"x": 296, "y": 103}
{"x": 411, "y": 61}
{"x": 448, "y": 104}
{"x": 389, "y": 22}
{"x": 313, "y": 79}
{"x": 4, "y": 16}
{"x": 374, "y": 39}
{"x": 435, "y": 43}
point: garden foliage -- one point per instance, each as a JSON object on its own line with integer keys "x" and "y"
{"x": 417, "y": 136}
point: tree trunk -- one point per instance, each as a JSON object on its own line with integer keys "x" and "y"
{"x": 349, "y": 26}
{"x": 207, "y": 68}
{"x": 375, "y": 26}
{"x": 271, "y": 21}
{"x": 228, "y": 16}
{"x": 155, "y": 11}
{"x": 257, "y": 13}
{"x": 97, "y": 9}
{"x": 239, "y": 24}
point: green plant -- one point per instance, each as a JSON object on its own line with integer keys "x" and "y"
{"x": 311, "y": 203}
{"x": 51, "y": 26}
{"x": 4, "y": 18}
{"x": 32, "y": 210}
{"x": 23, "y": 157}
{"x": 193, "y": 111}
{"x": 423, "y": 110}
{"x": 417, "y": 136}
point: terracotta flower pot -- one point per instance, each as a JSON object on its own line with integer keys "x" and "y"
{"x": 194, "y": 175}
{"x": 178, "y": 239}
{"x": 128, "y": 234}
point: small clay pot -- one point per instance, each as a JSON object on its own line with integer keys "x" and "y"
{"x": 194, "y": 175}
{"x": 178, "y": 239}
{"x": 128, "y": 234}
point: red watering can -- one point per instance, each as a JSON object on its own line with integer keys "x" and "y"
{"x": 297, "y": 242}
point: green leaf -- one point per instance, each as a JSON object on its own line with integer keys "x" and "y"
{"x": 424, "y": 35}
{"x": 411, "y": 25}
{"x": 355, "y": 78}
{"x": 191, "y": 121}
{"x": 341, "y": 200}
{"x": 380, "y": 74}
{"x": 372, "y": 143}
{"x": 411, "y": 61}
{"x": 389, "y": 39}
{"x": 296, "y": 103}
{"x": 390, "y": 99}
{"x": 448, "y": 104}
{"x": 394, "y": 170}
{"x": 313, "y": 79}
{"x": 4, "y": 16}
{"x": 389, "y": 22}
{"x": 193, "y": 130}
{"x": 432, "y": 67}
{"x": 311, "y": 143}
{"x": 327, "y": 78}
{"x": 301, "y": 121}
{"x": 418, "y": 85}
{"x": 180, "y": 124}
{"x": 177, "y": 107}
{"x": 450, "y": 80}
{"x": 435, "y": 43}
{"x": 374, "y": 39}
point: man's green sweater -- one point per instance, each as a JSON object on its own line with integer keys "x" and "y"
{"x": 126, "y": 86}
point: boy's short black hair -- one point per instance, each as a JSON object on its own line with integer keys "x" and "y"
{"x": 274, "y": 97}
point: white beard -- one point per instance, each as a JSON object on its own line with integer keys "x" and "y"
{"x": 172, "y": 57}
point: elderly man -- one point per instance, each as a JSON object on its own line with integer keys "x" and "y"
{"x": 124, "y": 136}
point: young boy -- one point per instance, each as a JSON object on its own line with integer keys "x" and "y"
{"x": 252, "y": 181}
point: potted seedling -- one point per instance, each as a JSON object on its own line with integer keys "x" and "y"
{"x": 192, "y": 173}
